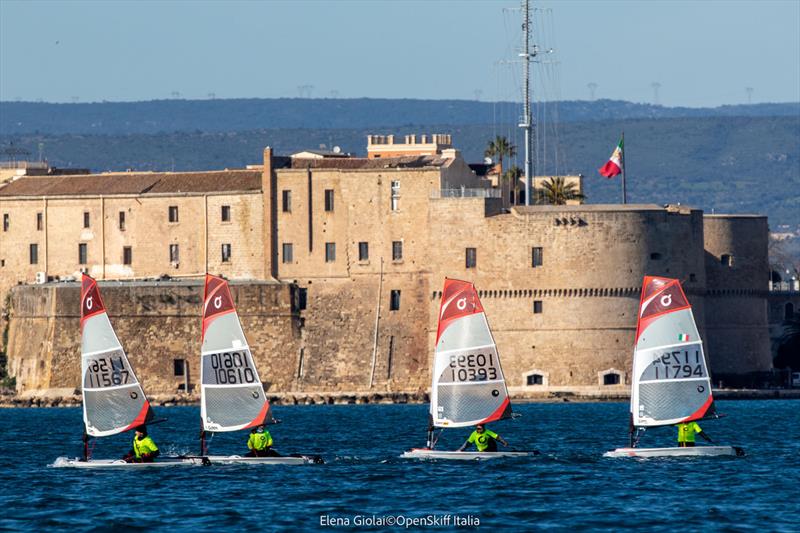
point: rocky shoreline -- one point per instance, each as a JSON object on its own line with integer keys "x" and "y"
{"x": 59, "y": 399}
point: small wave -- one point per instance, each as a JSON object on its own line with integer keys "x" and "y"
{"x": 61, "y": 462}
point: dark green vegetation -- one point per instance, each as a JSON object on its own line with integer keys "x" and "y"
{"x": 739, "y": 159}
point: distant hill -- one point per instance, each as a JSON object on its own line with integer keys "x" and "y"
{"x": 730, "y": 164}
{"x": 167, "y": 116}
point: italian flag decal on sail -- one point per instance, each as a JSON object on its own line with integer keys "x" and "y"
{"x": 614, "y": 164}
{"x": 683, "y": 337}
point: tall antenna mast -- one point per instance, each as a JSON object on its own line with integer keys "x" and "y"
{"x": 526, "y": 123}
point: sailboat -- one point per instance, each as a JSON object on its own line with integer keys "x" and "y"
{"x": 671, "y": 382}
{"x": 113, "y": 399}
{"x": 231, "y": 394}
{"x": 468, "y": 386}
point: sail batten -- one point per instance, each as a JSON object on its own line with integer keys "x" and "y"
{"x": 113, "y": 399}
{"x": 468, "y": 384}
{"x": 231, "y": 394}
{"x": 671, "y": 381}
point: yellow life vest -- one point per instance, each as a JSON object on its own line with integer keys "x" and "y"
{"x": 686, "y": 432}
{"x": 481, "y": 440}
{"x": 259, "y": 441}
{"x": 143, "y": 446}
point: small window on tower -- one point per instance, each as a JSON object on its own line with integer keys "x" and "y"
{"x": 328, "y": 199}
{"x": 39, "y": 221}
{"x": 226, "y": 253}
{"x": 537, "y": 307}
{"x": 226, "y": 213}
{"x": 726, "y": 260}
{"x": 288, "y": 252}
{"x": 178, "y": 367}
{"x": 472, "y": 257}
{"x": 86, "y": 219}
{"x": 173, "y": 213}
{"x": 287, "y": 201}
{"x": 537, "y": 256}
{"x": 394, "y": 300}
{"x": 397, "y": 250}
{"x": 330, "y": 252}
{"x": 363, "y": 251}
{"x": 127, "y": 255}
{"x": 122, "y": 220}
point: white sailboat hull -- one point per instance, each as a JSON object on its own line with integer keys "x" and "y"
{"x": 696, "y": 451}
{"x": 284, "y": 460}
{"x": 63, "y": 462}
{"x": 422, "y": 453}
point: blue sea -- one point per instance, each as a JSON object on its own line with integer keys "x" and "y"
{"x": 365, "y": 486}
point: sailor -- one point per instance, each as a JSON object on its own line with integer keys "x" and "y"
{"x": 260, "y": 443}
{"x": 686, "y": 433}
{"x": 485, "y": 440}
{"x": 144, "y": 449}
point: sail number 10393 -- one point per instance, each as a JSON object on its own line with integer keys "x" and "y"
{"x": 232, "y": 368}
{"x": 472, "y": 367}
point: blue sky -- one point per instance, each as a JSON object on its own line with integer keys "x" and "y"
{"x": 701, "y": 53}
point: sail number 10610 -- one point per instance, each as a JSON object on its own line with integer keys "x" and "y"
{"x": 232, "y": 368}
{"x": 472, "y": 367}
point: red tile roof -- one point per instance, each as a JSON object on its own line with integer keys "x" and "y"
{"x": 135, "y": 183}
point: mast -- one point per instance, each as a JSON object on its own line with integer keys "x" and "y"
{"x": 526, "y": 123}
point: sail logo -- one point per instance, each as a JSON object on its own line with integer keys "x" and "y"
{"x": 666, "y": 300}
{"x": 218, "y": 302}
{"x": 89, "y": 303}
{"x": 462, "y": 303}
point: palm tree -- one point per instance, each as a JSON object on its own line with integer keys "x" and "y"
{"x": 557, "y": 191}
{"x": 512, "y": 176}
{"x": 500, "y": 148}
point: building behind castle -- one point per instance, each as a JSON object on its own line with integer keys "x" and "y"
{"x": 338, "y": 264}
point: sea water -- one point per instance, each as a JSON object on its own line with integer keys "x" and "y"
{"x": 365, "y": 485}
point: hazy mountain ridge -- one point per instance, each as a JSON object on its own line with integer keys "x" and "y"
{"x": 725, "y": 164}
{"x": 167, "y": 116}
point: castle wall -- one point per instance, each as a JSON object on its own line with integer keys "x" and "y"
{"x": 594, "y": 260}
{"x": 155, "y": 322}
{"x": 737, "y": 269}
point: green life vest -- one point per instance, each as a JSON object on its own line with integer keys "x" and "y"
{"x": 259, "y": 441}
{"x": 481, "y": 440}
{"x": 686, "y": 432}
{"x": 143, "y": 446}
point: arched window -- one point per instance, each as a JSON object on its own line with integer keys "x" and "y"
{"x": 612, "y": 376}
{"x": 788, "y": 311}
{"x": 536, "y": 378}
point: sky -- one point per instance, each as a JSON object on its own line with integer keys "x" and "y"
{"x": 701, "y": 54}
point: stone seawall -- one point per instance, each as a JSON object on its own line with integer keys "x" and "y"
{"x": 157, "y": 324}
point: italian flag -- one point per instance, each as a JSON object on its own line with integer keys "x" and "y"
{"x": 614, "y": 164}
{"x": 683, "y": 337}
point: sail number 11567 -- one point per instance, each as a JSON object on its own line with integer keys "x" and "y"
{"x": 472, "y": 367}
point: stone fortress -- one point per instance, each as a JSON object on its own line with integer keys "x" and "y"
{"x": 337, "y": 265}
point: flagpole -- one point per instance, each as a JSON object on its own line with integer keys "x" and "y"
{"x": 624, "y": 190}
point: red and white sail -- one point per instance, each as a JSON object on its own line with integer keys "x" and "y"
{"x": 231, "y": 394}
{"x": 468, "y": 384}
{"x": 671, "y": 382}
{"x": 113, "y": 399}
